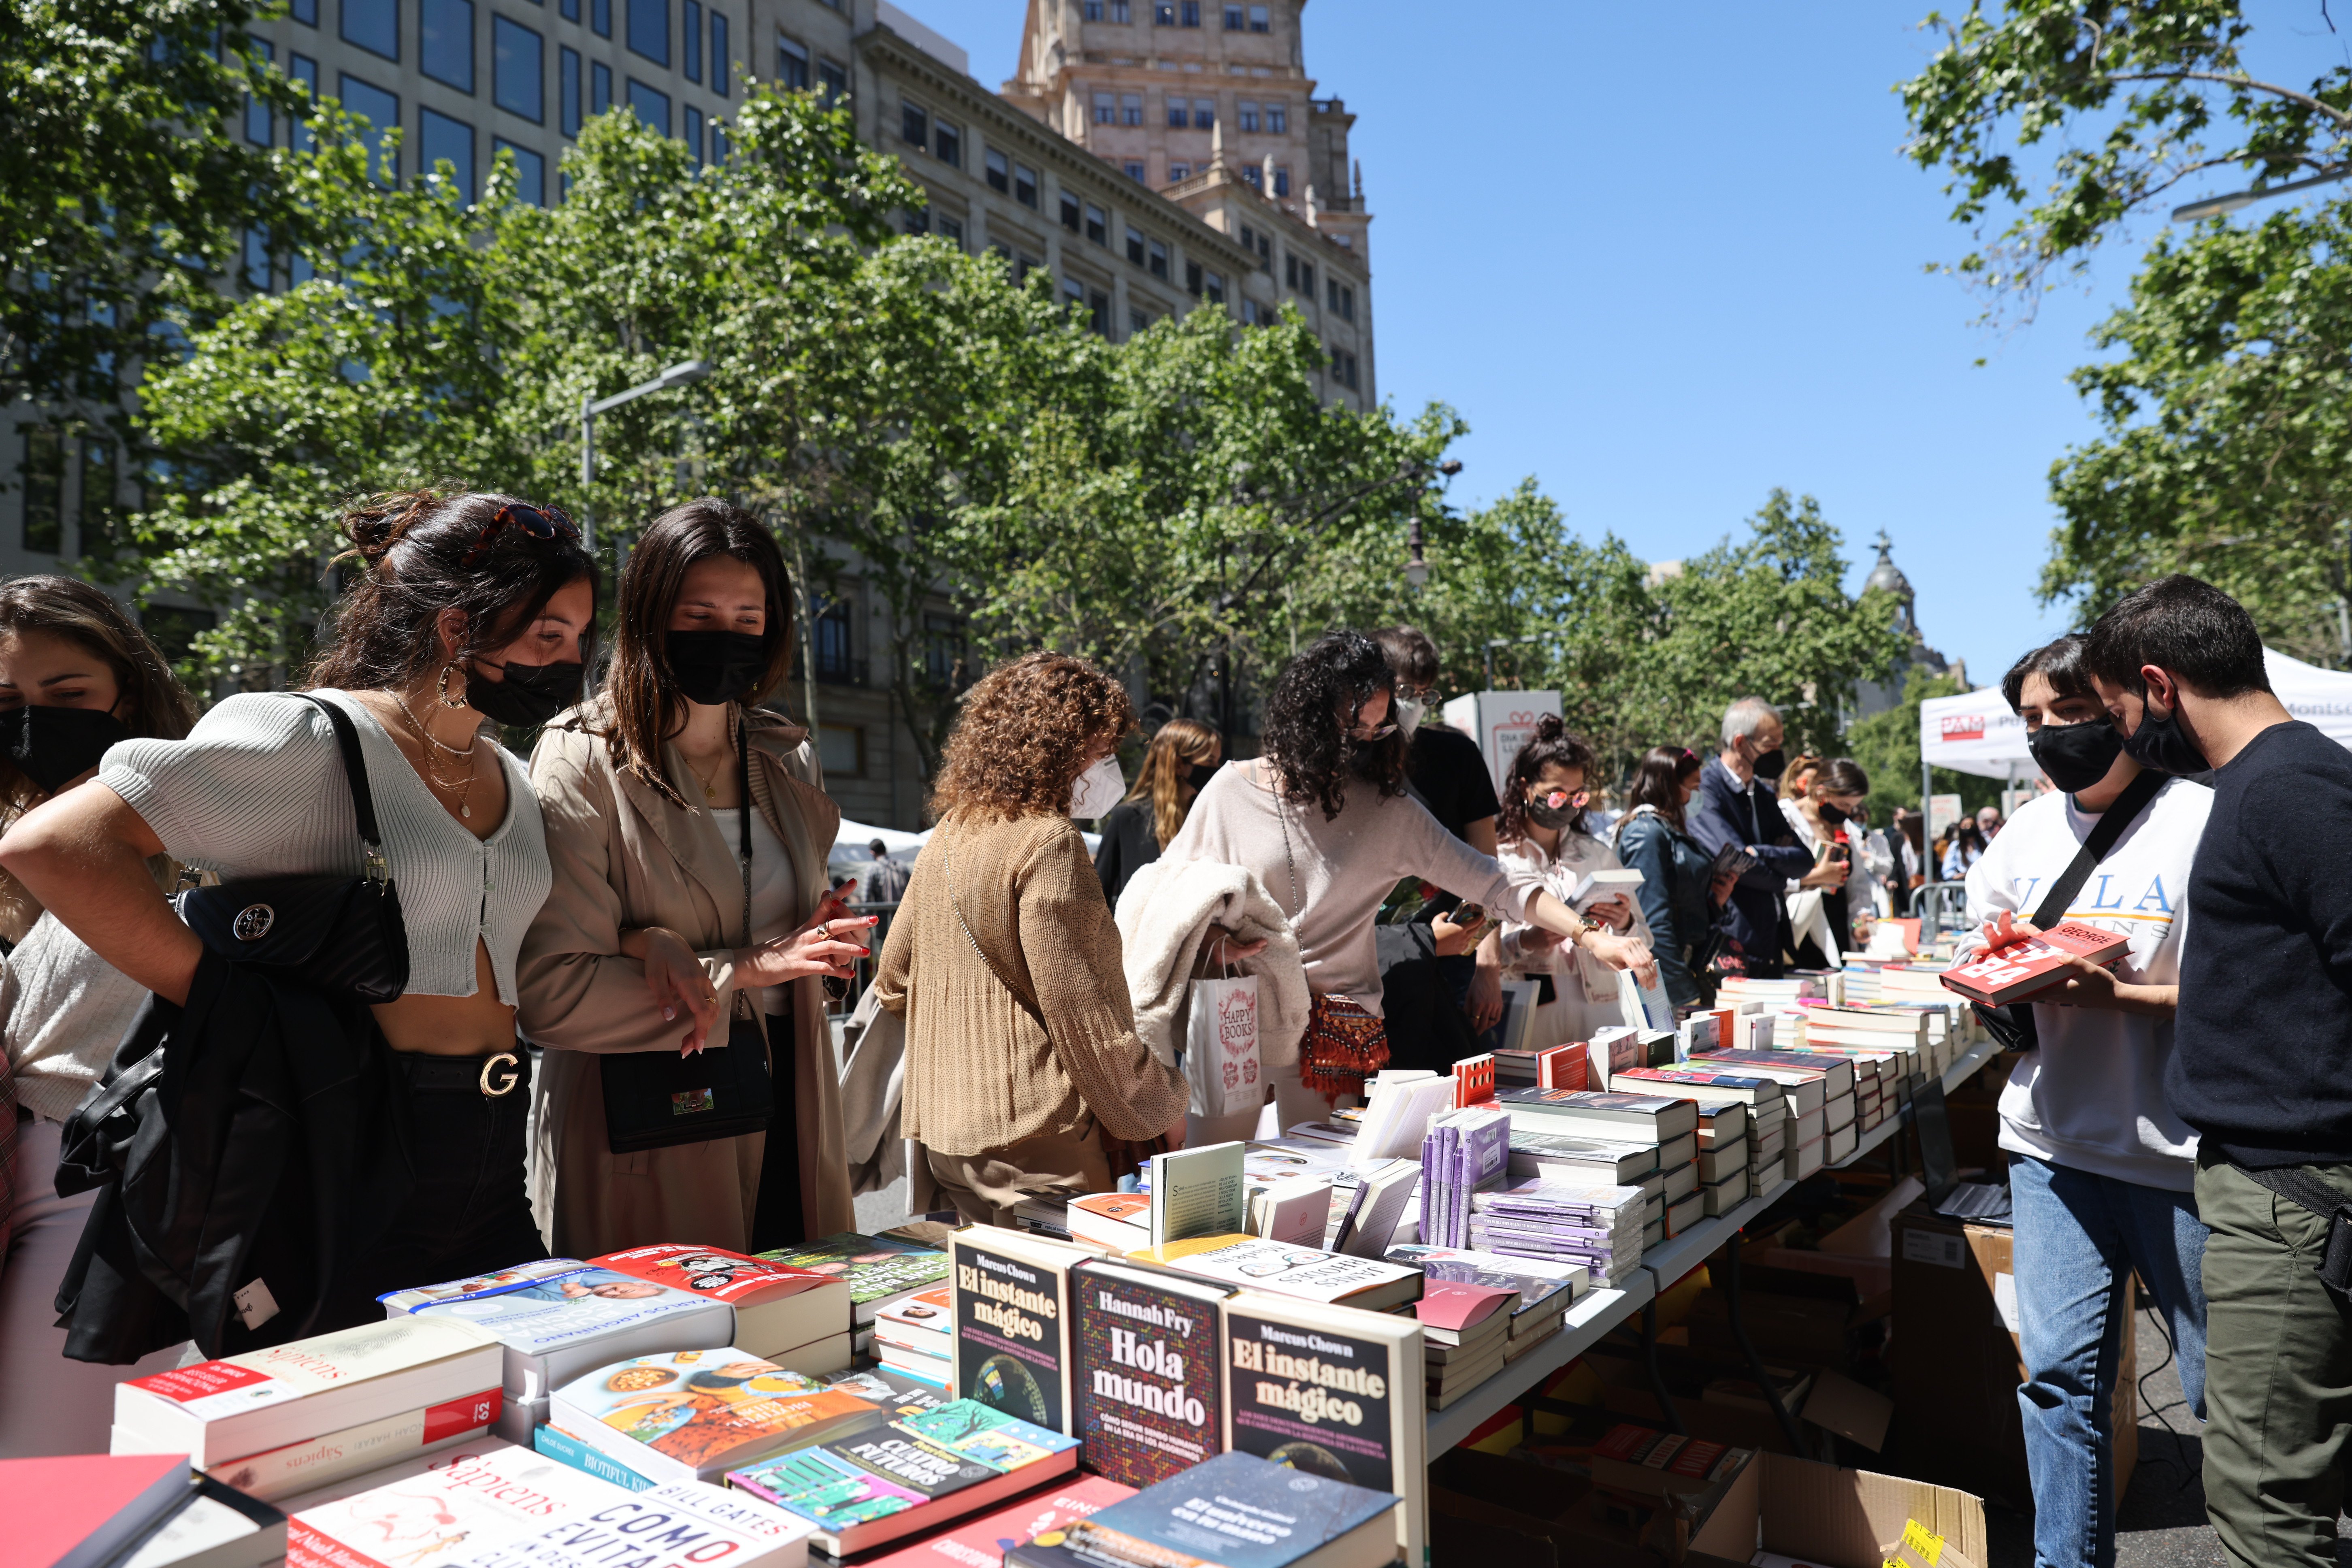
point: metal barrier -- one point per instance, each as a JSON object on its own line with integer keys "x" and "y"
{"x": 1942, "y": 908}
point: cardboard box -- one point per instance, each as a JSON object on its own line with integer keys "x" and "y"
{"x": 1838, "y": 1518}
{"x": 1957, "y": 1366}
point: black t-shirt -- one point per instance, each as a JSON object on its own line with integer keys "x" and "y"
{"x": 1449, "y": 772}
{"x": 2262, "y": 1059}
{"x": 1129, "y": 843}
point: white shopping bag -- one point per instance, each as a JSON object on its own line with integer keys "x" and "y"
{"x": 1221, "y": 1055}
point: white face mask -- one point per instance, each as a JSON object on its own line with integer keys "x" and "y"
{"x": 1099, "y": 789}
{"x": 1409, "y": 714}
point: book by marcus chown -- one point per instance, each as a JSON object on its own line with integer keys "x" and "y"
{"x": 1232, "y": 1512}
{"x": 894, "y": 1475}
{"x": 1148, "y": 1384}
{"x": 1013, "y": 1323}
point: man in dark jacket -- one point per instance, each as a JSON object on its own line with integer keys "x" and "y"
{"x": 1735, "y": 804}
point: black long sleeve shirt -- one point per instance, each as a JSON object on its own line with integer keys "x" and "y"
{"x": 2262, "y": 1062}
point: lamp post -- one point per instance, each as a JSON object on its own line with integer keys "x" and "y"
{"x": 2214, "y": 206}
{"x": 679, "y": 375}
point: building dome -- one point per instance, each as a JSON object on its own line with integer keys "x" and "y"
{"x": 1887, "y": 575}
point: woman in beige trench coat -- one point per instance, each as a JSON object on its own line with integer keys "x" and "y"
{"x": 640, "y": 790}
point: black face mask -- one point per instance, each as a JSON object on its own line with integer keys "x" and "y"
{"x": 1556, "y": 818}
{"x": 2160, "y": 745}
{"x": 1768, "y": 764}
{"x": 53, "y": 745}
{"x": 712, "y": 667}
{"x": 2075, "y": 757}
{"x": 528, "y": 697}
{"x": 1199, "y": 774}
{"x": 1832, "y": 816}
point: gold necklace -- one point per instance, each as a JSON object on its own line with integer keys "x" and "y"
{"x": 466, "y": 751}
{"x": 464, "y": 787}
{"x": 710, "y": 786}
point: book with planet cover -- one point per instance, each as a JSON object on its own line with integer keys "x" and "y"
{"x": 1148, "y": 1380}
{"x": 1332, "y": 1391}
{"x": 1011, "y": 1292}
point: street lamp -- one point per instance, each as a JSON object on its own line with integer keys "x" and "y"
{"x": 679, "y": 375}
{"x": 2214, "y": 206}
{"x": 1416, "y": 569}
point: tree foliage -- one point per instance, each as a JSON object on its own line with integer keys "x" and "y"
{"x": 1887, "y": 746}
{"x": 2130, "y": 98}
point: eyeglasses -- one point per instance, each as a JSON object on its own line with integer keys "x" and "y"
{"x": 541, "y": 523}
{"x": 1369, "y": 732}
{"x": 1565, "y": 799}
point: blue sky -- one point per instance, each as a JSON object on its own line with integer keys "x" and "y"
{"x": 1663, "y": 261}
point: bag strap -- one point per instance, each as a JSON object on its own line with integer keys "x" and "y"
{"x": 2110, "y": 828}
{"x": 2301, "y": 1188}
{"x": 355, "y": 774}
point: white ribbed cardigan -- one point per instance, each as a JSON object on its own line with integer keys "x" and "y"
{"x": 257, "y": 790}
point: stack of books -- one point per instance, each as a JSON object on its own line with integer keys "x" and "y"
{"x": 794, "y": 1317}
{"x": 561, "y": 1317}
{"x": 1561, "y": 1067}
{"x": 878, "y": 1270}
{"x": 1723, "y": 1169}
{"x": 913, "y": 1336}
{"x": 1465, "y": 1329}
{"x": 1467, "y": 1152}
{"x": 1667, "y": 1123}
{"x": 1546, "y": 1290}
{"x": 1820, "y": 1090}
{"x": 1598, "y": 1228}
{"x": 275, "y": 1421}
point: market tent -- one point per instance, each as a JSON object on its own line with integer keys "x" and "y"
{"x": 1976, "y": 733}
{"x": 851, "y": 856}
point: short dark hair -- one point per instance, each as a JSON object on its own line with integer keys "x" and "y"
{"x": 1410, "y": 653}
{"x": 2059, "y": 662}
{"x": 2186, "y": 626}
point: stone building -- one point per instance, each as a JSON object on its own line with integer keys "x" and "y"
{"x": 1080, "y": 167}
{"x": 1878, "y": 696}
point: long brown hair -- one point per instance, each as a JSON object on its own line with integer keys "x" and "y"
{"x": 1550, "y": 744}
{"x": 1179, "y": 747}
{"x": 1658, "y": 778}
{"x": 424, "y": 552}
{"x": 1025, "y": 728}
{"x": 646, "y": 707}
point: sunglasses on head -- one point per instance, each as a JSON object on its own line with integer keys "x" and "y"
{"x": 541, "y": 523}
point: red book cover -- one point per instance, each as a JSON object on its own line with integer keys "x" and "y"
{"x": 1563, "y": 1067}
{"x": 2017, "y": 971}
{"x": 1474, "y": 1080}
{"x": 85, "y": 1508}
{"x": 712, "y": 1271}
{"x": 982, "y": 1543}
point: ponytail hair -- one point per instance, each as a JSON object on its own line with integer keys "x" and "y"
{"x": 1551, "y": 744}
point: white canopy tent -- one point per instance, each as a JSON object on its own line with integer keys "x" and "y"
{"x": 1975, "y": 732}
{"x": 852, "y": 851}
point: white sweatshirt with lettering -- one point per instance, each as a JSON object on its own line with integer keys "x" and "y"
{"x": 2092, "y": 1096}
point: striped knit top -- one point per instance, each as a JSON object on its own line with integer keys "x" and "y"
{"x": 257, "y": 790}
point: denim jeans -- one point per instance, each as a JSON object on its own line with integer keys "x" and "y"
{"x": 2079, "y": 1238}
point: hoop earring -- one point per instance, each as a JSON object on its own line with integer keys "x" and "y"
{"x": 441, "y": 687}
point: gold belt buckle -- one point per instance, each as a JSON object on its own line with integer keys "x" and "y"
{"x": 507, "y": 1080}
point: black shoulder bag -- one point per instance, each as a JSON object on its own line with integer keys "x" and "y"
{"x": 2012, "y": 1026}
{"x": 655, "y": 1100}
{"x": 342, "y": 936}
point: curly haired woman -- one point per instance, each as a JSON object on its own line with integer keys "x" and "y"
{"x": 1324, "y": 821}
{"x": 1022, "y": 1056}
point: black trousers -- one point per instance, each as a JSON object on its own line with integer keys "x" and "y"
{"x": 467, "y": 1211}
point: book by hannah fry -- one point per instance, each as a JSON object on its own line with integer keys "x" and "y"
{"x": 1235, "y": 1510}
{"x": 777, "y": 1307}
{"x": 1149, "y": 1384}
{"x": 982, "y": 1543}
{"x": 878, "y": 1269}
{"x": 2021, "y": 971}
{"x": 1197, "y": 1192}
{"x": 895, "y": 1475}
{"x": 694, "y": 1415}
{"x": 1012, "y": 1298}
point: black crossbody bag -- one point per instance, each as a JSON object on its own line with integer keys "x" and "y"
{"x": 657, "y": 1099}
{"x": 342, "y": 936}
{"x": 2012, "y": 1026}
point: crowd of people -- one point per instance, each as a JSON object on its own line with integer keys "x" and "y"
{"x": 501, "y": 990}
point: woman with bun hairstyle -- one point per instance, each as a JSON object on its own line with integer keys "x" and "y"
{"x": 469, "y": 609}
{"x": 75, "y": 674}
{"x": 1542, "y": 835}
{"x": 660, "y": 936}
{"x": 1025, "y": 1076}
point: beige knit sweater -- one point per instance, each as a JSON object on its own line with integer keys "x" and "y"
{"x": 988, "y": 1064}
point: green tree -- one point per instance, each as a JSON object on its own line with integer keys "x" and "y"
{"x": 128, "y": 192}
{"x": 2135, "y": 96}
